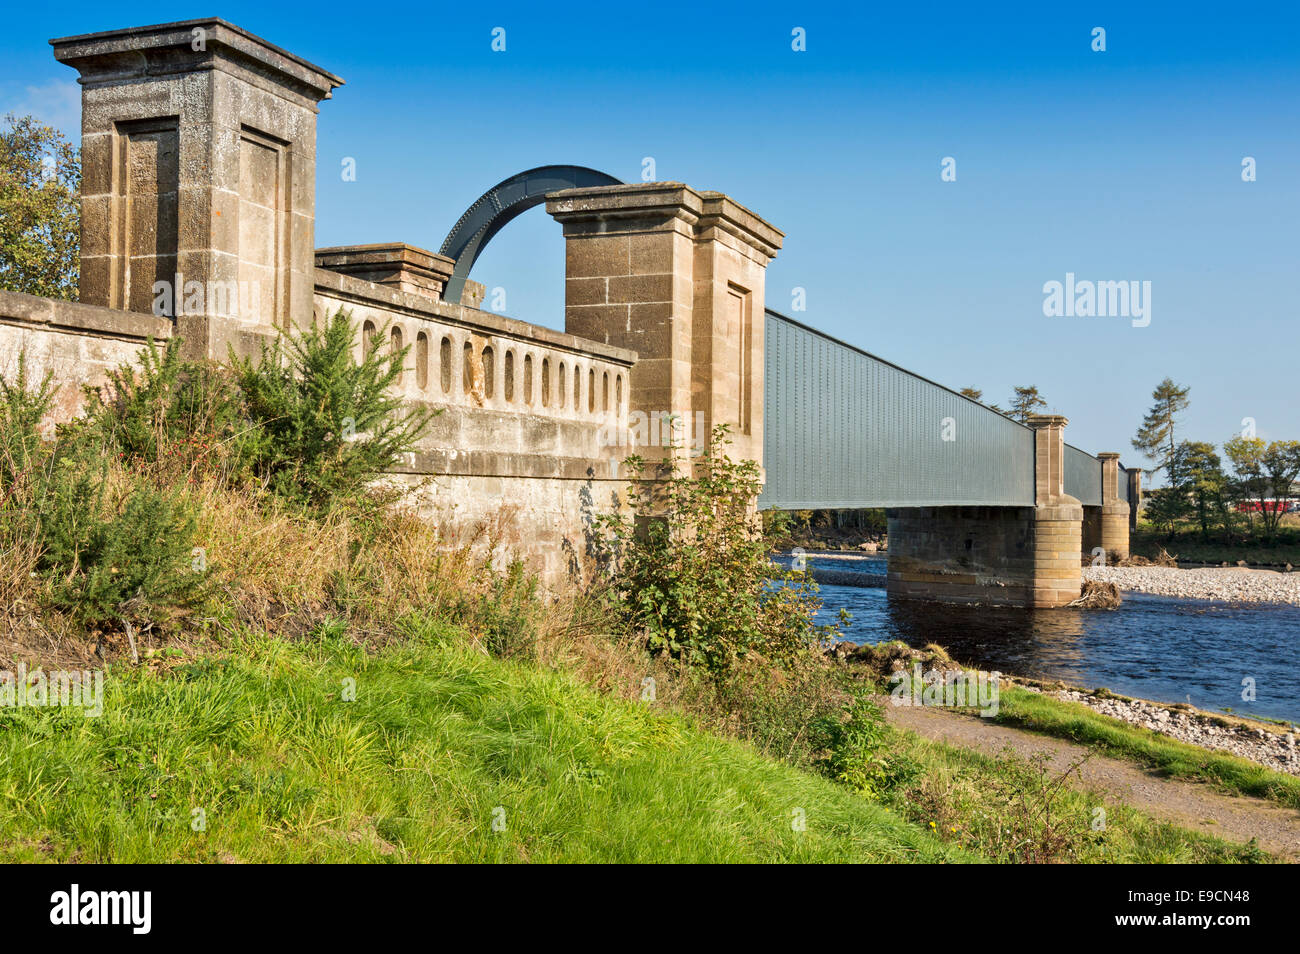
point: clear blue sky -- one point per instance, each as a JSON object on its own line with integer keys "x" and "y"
{"x": 1122, "y": 165}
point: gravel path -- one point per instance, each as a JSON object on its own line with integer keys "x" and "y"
{"x": 1192, "y": 805}
{"x": 1230, "y": 584}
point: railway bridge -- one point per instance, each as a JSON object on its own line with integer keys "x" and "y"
{"x": 199, "y": 151}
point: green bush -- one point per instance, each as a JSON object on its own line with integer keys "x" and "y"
{"x": 693, "y": 570}
{"x": 190, "y": 414}
{"x": 109, "y": 556}
{"x": 108, "y": 546}
{"x": 860, "y": 753}
{"x": 22, "y": 407}
{"x": 774, "y": 710}
{"x": 331, "y": 424}
{"x": 507, "y": 615}
{"x": 304, "y": 418}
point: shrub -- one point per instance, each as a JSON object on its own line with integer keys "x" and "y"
{"x": 506, "y": 614}
{"x": 860, "y": 753}
{"x": 693, "y": 570}
{"x": 186, "y": 415}
{"x": 22, "y": 408}
{"x": 780, "y": 712}
{"x": 331, "y": 424}
{"x": 107, "y": 545}
{"x": 111, "y": 554}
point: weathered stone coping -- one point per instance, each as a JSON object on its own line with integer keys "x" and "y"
{"x": 75, "y": 318}
{"x": 651, "y": 201}
{"x": 165, "y": 48}
{"x": 482, "y": 463}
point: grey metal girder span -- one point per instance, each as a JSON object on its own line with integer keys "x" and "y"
{"x": 843, "y": 428}
{"x": 1083, "y": 476}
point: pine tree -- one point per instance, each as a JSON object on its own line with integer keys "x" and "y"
{"x": 1025, "y": 403}
{"x": 1155, "y": 438}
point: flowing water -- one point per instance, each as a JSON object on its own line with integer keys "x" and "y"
{"x": 1153, "y": 647}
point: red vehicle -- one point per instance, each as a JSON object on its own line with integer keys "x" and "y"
{"x": 1266, "y": 506}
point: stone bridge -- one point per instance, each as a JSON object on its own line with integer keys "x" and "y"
{"x": 198, "y": 210}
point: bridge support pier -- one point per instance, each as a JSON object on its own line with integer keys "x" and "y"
{"x": 1134, "y": 497}
{"x": 1009, "y": 556}
{"x": 1106, "y": 528}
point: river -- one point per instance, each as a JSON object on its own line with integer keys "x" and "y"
{"x": 1152, "y": 647}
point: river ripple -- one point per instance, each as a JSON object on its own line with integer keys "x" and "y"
{"x": 1153, "y": 647}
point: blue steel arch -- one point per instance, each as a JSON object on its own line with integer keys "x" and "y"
{"x": 499, "y": 205}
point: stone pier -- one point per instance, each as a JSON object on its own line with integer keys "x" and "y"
{"x": 198, "y": 144}
{"x": 1010, "y": 556}
{"x": 1134, "y": 477}
{"x": 1106, "y": 528}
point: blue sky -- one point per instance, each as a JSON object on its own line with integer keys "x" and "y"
{"x": 1116, "y": 165}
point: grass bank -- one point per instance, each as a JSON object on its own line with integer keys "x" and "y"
{"x": 1189, "y": 547}
{"x": 1077, "y": 723}
{"x": 259, "y": 742}
{"x": 1015, "y": 810}
{"x": 428, "y": 749}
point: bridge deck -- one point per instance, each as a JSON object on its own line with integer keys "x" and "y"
{"x": 843, "y": 428}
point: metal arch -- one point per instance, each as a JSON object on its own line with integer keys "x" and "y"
{"x": 498, "y": 205}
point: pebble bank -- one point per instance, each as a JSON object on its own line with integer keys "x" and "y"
{"x": 1229, "y": 584}
{"x": 1277, "y": 751}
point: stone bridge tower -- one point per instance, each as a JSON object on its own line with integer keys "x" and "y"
{"x": 677, "y": 276}
{"x": 199, "y": 178}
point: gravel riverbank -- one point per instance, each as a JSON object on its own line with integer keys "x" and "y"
{"x": 1229, "y": 584}
{"x": 1270, "y": 749}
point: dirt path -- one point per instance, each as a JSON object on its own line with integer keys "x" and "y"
{"x": 1192, "y": 805}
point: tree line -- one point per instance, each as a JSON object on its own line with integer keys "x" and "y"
{"x": 1025, "y": 402}
{"x": 1250, "y": 493}
{"x": 1253, "y": 493}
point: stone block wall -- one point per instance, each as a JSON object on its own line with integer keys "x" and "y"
{"x": 678, "y": 276}
{"x": 78, "y": 343}
{"x": 1091, "y": 532}
{"x": 524, "y": 447}
{"x": 521, "y": 451}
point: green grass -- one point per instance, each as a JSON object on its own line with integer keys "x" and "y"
{"x": 1078, "y": 723}
{"x": 441, "y": 739}
{"x": 438, "y": 737}
{"x": 975, "y": 801}
{"x": 1189, "y": 547}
